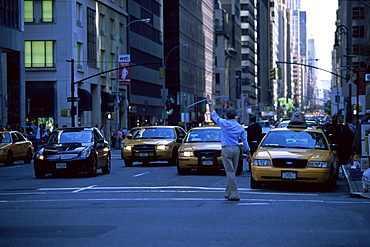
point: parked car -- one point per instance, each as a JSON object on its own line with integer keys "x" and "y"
{"x": 295, "y": 154}
{"x": 73, "y": 150}
{"x": 154, "y": 143}
{"x": 265, "y": 125}
{"x": 201, "y": 149}
{"x": 128, "y": 137}
{"x": 14, "y": 146}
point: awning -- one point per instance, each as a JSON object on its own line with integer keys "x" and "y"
{"x": 107, "y": 102}
{"x": 41, "y": 101}
{"x": 85, "y": 102}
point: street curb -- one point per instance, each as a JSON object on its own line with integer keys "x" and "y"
{"x": 353, "y": 188}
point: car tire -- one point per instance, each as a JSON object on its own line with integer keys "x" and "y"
{"x": 182, "y": 171}
{"x": 9, "y": 158}
{"x": 175, "y": 158}
{"x": 93, "y": 168}
{"x": 39, "y": 174}
{"x": 108, "y": 167}
{"x": 28, "y": 158}
{"x": 128, "y": 162}
{"x": 255, "y": 184}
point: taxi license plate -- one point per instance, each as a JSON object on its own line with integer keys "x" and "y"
{"x": 289, "y": 175}
{"x": 61, "y": 165}
{"x": 207, "y": 162}
{"x": 144, "y": 154}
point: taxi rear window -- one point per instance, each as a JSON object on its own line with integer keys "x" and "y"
{"x": 295, "y": 139}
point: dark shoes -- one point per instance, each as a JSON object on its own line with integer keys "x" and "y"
{"x": 232, "y": 199}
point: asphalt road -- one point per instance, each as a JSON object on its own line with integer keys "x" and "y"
{"x": 154, "y": 206}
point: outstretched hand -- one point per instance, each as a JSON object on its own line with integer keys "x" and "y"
{"x": 209, "y": 100}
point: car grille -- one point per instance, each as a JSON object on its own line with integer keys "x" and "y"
{"x": 207, "y": 153}
{"x": 289, "y": 163}
{"x": 144, "y": 148}
{"x": 62, "y": 156}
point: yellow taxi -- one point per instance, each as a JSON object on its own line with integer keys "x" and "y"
{"x": 127, "y": 138}
{"x": 201, "y": 149}
{"x": 154, "y": 143}
{"x": 14, "y": 146}
{"x": 295, "y": 153}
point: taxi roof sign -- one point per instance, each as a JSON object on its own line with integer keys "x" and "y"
{"x": 297, "y": 121}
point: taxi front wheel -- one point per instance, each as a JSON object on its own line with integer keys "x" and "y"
{"x": 255, "y": 184}
{"x": 9, "y": 159}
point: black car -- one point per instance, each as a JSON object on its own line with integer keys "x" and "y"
{"x": 73, "y": 150}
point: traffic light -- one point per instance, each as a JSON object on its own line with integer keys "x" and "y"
{"x": 161, "y": 72}
{"x": 272, "y": 74}
{"x": 168, "y": 105}
{"x": 280, "y": 73}
{"x": 64, "y": 112}
{"x": 110, "y": 115}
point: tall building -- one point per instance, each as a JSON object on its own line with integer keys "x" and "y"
{"x": 72, "y": 51}
{"x": 189, "y": 70}
{"x": 351, "y": 55}
{"x": 264, "y": 83}
{"x": 12, "y": 87}
{"x": 249, "y": 102}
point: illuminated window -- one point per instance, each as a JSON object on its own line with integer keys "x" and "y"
{"x": 28, "y": 11}
{"x": 39, "y": 54}
{"x": 47, "y": 11}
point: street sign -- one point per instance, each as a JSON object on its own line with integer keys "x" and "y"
{"x": 69, "y": 99}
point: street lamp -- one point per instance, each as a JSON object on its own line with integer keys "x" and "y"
{"x": 117, "y": 82}
{"x": 342, "y": 29}
{"x": 164, "y": 81}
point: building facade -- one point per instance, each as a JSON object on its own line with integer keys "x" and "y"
{"x": 12, "y": 86}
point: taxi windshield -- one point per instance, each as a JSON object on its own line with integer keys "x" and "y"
{"x": 155, "y": 133}
{"x": 204, "y": 135}
{"x": 295, "y": 139}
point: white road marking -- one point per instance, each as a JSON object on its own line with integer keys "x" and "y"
{"x": 86, "y": 188}
{"x": 243, "y": 202}
{"x": 140, "y": 174}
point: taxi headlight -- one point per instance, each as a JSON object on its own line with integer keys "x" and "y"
{"x": 127, "y": 148}
{"x": 262, "y": 162}
{"x": 2, "y": 150}
{"x": 186, "y": 154}
{"x": 163, "y": 147}
{"x": 318, "y": 164}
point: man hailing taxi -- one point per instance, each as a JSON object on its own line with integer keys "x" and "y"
{"x": 232, "y": 132}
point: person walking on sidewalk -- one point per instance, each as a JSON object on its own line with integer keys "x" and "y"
{"x": 232, "y": 132}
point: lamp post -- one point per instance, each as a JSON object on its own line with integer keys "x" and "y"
{"x": 164, "y": 81}
{"x": 117, "y": 83}
{"x": 342, "y": 29}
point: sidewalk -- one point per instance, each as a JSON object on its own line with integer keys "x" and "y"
{"x": 354, "y": 180}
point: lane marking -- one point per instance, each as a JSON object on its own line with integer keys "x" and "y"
{"x": 241, "y": 190}
{"x": 242, "y": 202}
{"x": 82, "y": 189}
{"x": 140, "y": 174}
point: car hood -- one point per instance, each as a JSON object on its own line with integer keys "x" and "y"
{"x": 65, "y": 148}
{"x": 308, "y": 154}
{"x": 191, "y": 146}
{"x": 150, "y": 142}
